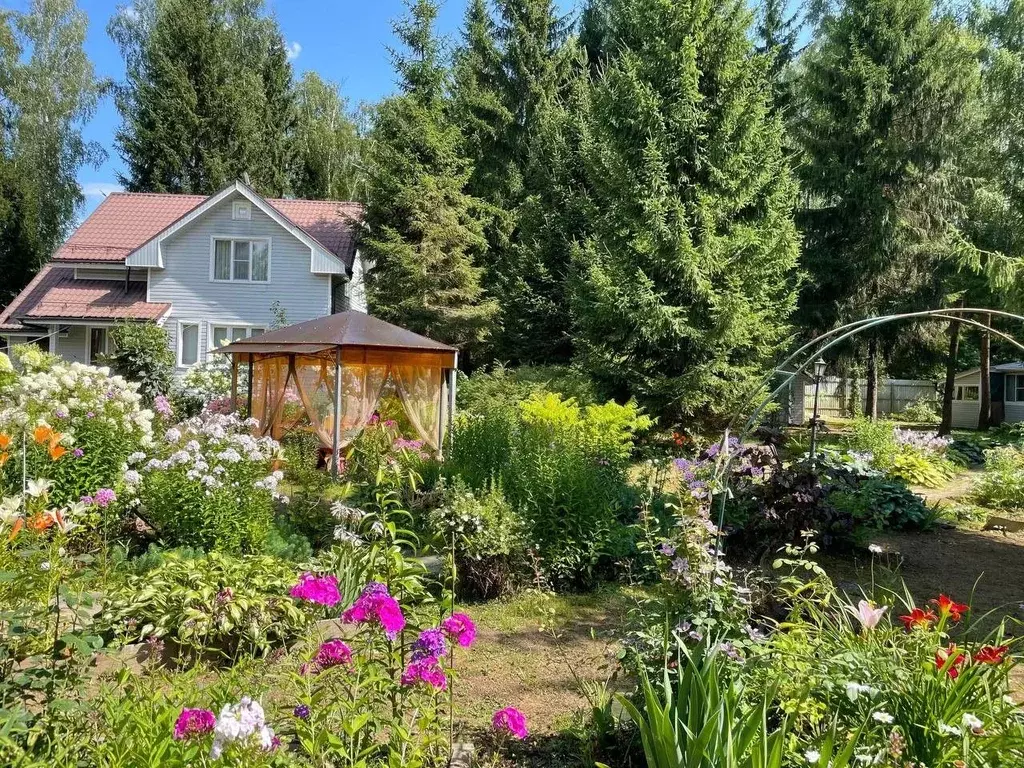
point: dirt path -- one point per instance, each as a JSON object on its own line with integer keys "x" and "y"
{"x": 515, "y": 663}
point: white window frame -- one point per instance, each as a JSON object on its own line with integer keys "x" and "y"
{"x": 211, "y": 324}
{"x": 199, "y": 342}
{"x": 88, "y": 342}
{"x": 241, "y": 210}
{"x": 239, "y": 239}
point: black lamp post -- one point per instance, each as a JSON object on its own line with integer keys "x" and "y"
{"x": 819, "y": 373}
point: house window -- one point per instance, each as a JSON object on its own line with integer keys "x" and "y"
{"x": 224, "y": 334}
{"x": 1015, "y": 389}
{"x": 99, "y": 344}
{"x": 245, "y": 261}
{"x": 241, "y": 210}
{"x": 188, "y": 344}
{"x": 970, "y": 393}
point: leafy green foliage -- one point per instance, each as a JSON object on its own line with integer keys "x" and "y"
{"x": 1001, "y": 485}
{"x": 504, "y": 386}
{"x": 918, "y": 458}
{"x": 485, "y": 534}
{"x": 141, "y": 354}
{"x": 684, "y": 282}
{"x": 220, "y": 603}
{"x": 326, "y": 145}
{"x": 560, "y": 466}
{"x": 48, "y": 91}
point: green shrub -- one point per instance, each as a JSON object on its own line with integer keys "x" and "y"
{"x": 1001, "y": 485}
{"x": 208, "y": 483}
{"x": 917, "y": 457}
{"x": 229, "y": 605}
{"x": 560, "y": 466}
{"x": 924, "y": 410}
{"x": 141, "y": 354}
{"x": 488, "y": 535}
{"x": 507, "y": 386}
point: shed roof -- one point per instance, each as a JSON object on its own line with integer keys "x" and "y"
{"x": 1012, "y": 367}
{"x": 343, "y": 329}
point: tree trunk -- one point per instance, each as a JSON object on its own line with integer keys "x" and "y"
{"x": 951, "y": 364}
{"x": 872, "y": 404}
{"x": 985, "y": 391}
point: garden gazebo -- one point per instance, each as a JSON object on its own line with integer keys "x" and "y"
{"x": 339, "y": 364}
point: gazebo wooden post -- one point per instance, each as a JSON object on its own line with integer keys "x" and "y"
{"x": 336, "y": 447}
{"x": 234, "y": 383}
{"x": 248, "y": 396}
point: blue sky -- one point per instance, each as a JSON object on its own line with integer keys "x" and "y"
{"x": 343, "y": 40}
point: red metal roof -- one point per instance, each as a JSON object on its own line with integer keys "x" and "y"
{"x": 126, "y": 220}
{"x": 55, "y": 294}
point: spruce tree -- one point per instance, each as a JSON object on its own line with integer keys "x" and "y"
{"x": 424, "y": 233}
{"x": 207, "y": 96}
{"x": 513, "y": 77}
{"x": 889, "y": 97}
{"x": 683, "y": 287}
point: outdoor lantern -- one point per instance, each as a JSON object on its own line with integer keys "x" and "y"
{"x": 819, "y": 368}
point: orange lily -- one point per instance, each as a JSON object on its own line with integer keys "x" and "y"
{"x": 5, "y": 441}
{"x": 56, "y": 451}
{"x": 4, "y": 457}
{"x": 42, "y": 433}
{"x": 16, "y": 528}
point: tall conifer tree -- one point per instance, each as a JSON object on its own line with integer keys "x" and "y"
{"x": 683, "y": 288}
{"x": 207, "y": 96}
{"x": 424, "y": 233}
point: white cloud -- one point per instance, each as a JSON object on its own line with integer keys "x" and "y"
{"x": 293, "y": 49}
{"x": 100, "y": 188}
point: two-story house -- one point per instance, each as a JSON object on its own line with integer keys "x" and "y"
{"x": 206, "y": 269}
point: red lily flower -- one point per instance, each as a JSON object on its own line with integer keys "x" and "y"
{"x": 919, "y": 619}
{"x": 943, "y": 658}
{"x": 991, "y": 654}
{"x": 949, "y": 607}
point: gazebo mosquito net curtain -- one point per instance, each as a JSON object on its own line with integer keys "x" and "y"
{"x": 297, "y": 390}
{"x": 304, "y": 376}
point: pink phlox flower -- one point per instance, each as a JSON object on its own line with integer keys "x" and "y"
{"x": 426, "y": 670}
{"x": 460, "y": 629}
{"x": 510, "y": 720}
{"x": 104, "y": 496}
{"x": 193, "y": 723}
{"x": 376, "y": 605}
{"x": 317, "y": 589}
{"x": 333, "y": 653}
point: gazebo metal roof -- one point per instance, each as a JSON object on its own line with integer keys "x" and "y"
{"x": 344, "y": 329}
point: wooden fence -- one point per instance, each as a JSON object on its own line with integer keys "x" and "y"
{"x": 893, "y": 396}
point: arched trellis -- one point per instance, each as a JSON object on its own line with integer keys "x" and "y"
{"x": 803, "y": 358}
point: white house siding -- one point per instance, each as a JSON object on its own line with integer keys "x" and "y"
{"x": 356, "y": 287}
{"x": 71, "y": 343}
{"x": 185, "y": 280}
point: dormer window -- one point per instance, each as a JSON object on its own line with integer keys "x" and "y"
{"x": 241, "y": 210}
{"x": 240, "y": 261}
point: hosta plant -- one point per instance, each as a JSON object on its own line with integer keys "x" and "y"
{"x": 222, "y": 605}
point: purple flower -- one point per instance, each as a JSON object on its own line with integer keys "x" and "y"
{"x": 322, "y": 590}
{"x": 78, "y": 453}
{"x": 103, "y": 497}
{"x": 425, "y": 670}
{"x": 430, "y": 644}
{"x": 680, "y": 565}
{"x": 510, "y": 720}
{"x": 193, "y": 723}
{"x": 667, "y": 549}
{"x": 162, "y": 405}
{"x": 90, "y": 415}
{"x": 60, "y": 413}
{"x": 460, "y": 629}
{"x": 301, "y": 711}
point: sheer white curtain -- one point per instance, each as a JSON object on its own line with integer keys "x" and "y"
{"x": 420, "y": 389}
